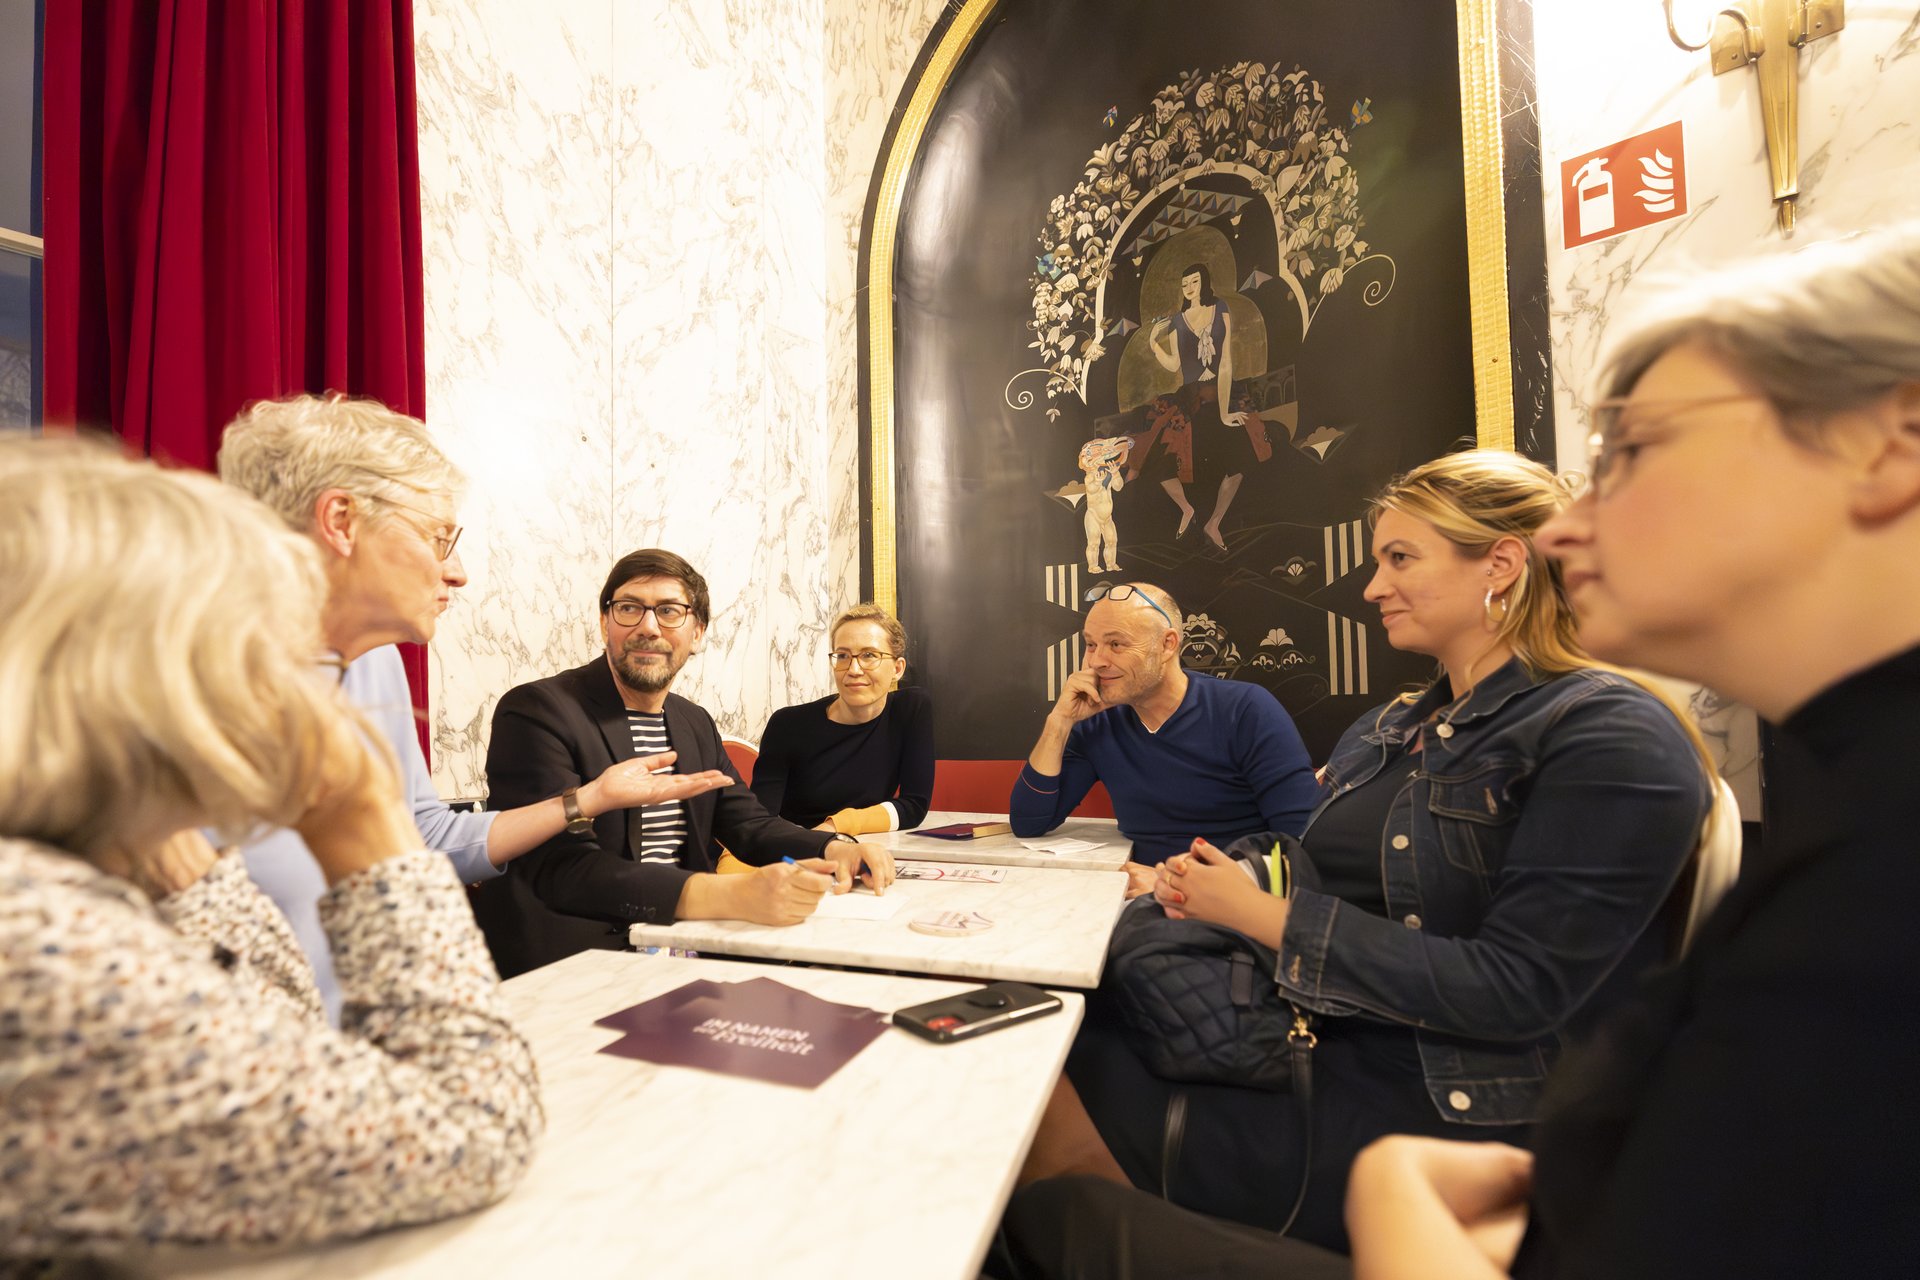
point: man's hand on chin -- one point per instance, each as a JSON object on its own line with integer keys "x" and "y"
{"x": 1080, "y": 697}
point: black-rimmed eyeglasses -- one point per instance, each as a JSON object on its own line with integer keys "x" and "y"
{"x": 868, "y": 659}
{"x": 670, "y": 616}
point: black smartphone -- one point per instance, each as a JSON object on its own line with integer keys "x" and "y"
{"x": 973, "y": 1013}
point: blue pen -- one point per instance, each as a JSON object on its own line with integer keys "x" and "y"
{"x": 790, "y": 862}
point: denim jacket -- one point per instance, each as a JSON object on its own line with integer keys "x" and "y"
{"x": 1546, "y": 825}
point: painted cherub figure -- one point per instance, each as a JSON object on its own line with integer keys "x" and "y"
{"x": 1101, "y": 462}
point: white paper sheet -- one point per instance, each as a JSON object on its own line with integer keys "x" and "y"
{"x": 1062, "y": 846}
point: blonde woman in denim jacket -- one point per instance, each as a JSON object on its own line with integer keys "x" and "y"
{"x": 1486, "y": 870}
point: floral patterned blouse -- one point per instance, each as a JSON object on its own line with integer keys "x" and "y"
{"x": 166, "y": 1072}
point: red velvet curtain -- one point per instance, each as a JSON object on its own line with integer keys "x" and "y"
{"x": 232, "y": 212}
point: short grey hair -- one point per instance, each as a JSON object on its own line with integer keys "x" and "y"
{"x": 288, "y": 452}
{"x": 1823, "y": 329}
{"x": 158, "y": 633}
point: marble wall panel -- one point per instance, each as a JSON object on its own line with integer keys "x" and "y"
{"x": 719, "y": 392}
{"x": 869, "y": 50}
{"x": 641, "y": 223}
{"x": 517, "y": 120}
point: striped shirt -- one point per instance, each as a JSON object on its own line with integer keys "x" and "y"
{"x": 663, "y": 827}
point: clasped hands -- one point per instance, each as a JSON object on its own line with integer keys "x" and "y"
{"x": 1206, "y": 884}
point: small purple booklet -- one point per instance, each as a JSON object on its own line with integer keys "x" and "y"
{"x": 758, "y": 1028}
{"x": 966, "y": 830}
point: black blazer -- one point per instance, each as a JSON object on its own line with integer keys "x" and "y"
{"x": 576, "y": 892}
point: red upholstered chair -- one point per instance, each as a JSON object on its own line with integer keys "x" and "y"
{"x": 743, "y": 754}
{"x": 982, "y": 786}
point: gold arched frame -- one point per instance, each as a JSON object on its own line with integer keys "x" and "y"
{"x": 1479, "y": 55}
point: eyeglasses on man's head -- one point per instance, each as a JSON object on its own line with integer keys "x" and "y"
{"x": 1127, "y": 591}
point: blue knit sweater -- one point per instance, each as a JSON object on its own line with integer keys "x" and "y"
{"x": 1226, "y": 764}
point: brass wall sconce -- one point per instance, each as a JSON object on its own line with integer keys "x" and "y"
{"x": 1767, "y": 35}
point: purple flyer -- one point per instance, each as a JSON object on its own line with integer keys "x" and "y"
{"x": 758, "y": 1028}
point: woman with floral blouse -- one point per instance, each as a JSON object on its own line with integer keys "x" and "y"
{"x": 166, "y": 1073}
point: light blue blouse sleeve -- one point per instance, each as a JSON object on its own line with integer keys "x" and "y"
{"x": 376, "y": 682}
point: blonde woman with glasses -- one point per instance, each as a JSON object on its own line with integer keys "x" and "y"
{"x": 378, "y": 498}
{"x": 860, "y": 760}
{"x": 166, "y": 1073}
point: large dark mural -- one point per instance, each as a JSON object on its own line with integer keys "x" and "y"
{"x": 1175, "y": 288}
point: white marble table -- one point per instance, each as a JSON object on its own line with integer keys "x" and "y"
{"x": 666, "y": 1171}
{"x": 1050, "y": 927}
{"x": 1007, "y": 851}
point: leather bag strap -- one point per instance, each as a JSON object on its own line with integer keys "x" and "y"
{"x": 1300, "y": 1045}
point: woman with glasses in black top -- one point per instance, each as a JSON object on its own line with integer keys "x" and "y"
{"x": 860, "y": 760}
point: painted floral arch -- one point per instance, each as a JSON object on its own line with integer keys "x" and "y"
{"x": 1247, "y": 119}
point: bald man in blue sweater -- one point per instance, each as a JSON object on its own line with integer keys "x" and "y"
{"x": 1181, "y": 756}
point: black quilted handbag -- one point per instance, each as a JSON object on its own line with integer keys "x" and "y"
{"x": 1198, "y": 1001}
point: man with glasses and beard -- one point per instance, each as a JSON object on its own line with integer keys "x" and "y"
{"x": 653, "y": 864}
{"x": 1182, "y": 757}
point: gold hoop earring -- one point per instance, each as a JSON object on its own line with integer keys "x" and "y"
{"x": 1486, "y": 610}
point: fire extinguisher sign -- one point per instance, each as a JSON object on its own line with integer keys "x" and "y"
{"x": 1631, "y": 184}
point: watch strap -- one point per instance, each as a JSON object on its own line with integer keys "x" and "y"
{"x": 578, "y": 823}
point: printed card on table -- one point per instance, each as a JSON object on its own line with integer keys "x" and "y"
{"x": 952, "y": 872}
{"x": 757, "y": 1028}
